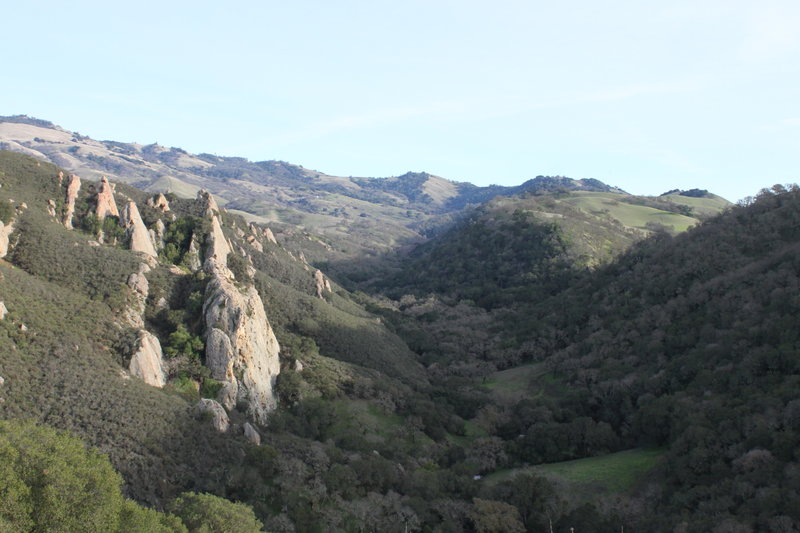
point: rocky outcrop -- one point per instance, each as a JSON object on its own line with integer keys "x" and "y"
{"x": 51, "y": 208}
{"x": 219, "y": 418}
{"x": 148, "y": 363}
{"x": 5, "y": 233}
{"x": 209, "y": 204}
{"x": 139, "y": 237}
{"x": 251, "y": 434}
{"x": 3, "y": 310}
{"x": 322, "y": 284}
{"x": 105, "y": 200}
{"x": 159, "y": 202}
{"x": 270, "y": 236}
{"x": 141, "y": 288}
{"x": 157, "y": 235}
{"x": 217, "y": 249}
{"x": 73, "y": 187}
{"x": 254, "y": 243}
{"x": 241, "y": 348}
{"x": 60, "y": 178}
{"x": 193, "y": 255}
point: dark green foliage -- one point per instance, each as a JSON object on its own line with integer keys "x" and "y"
{"x": 181, "y": 342}
{"x": 206, "y": 513}
{"x": 52, "y": 483}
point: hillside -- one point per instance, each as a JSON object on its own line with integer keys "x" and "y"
{"x": 353, "y": 216}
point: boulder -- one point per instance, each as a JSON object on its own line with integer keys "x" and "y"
{"x": 3, "y": 310}
{"x": 219, "y": 418}
{"x": 251, "y": 434}
{"x": 147, "y": 362}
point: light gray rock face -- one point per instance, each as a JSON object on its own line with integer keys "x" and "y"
{"x": 322, "y": 284}
{"x": 105, "y": 200}
{"x": 148, "y": 362}
{"x": 73, "y": 187}
{"x": 141, "y": 289}
{"x": 219, "y": 418}
{"x": 270, "y": 236}
{"x": 193, "y": 259}
{"x": 139, "y": 237}
{"x": 159, "y": 202}
{"x": 241, "y": 348}
{"x": 5, "y": 233}
{"x": 51, "y": 208}
{"x": 3, "y": 310}
{"x": 251, "y": 434}
{"x": 208, "y": 202}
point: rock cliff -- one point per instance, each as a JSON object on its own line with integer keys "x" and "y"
{"x": 241, "y": 348}
{"x": 139, "y": 237}
{"x": 105, "y": 200}
{"x": 148, "y": 363}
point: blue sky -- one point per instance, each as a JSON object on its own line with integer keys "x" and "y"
{"x": 647, "y": 96}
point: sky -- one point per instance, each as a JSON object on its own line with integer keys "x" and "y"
{"x": 647, "y": 96}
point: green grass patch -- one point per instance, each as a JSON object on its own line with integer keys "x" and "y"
{"x": 615, "y": 472}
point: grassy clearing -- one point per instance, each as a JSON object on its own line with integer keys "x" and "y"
{"x": 633, "y": 216}
{"x": 615, "y": 472}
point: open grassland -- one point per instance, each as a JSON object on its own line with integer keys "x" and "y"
{"x": 615, "y": 472}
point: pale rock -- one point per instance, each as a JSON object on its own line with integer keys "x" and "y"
{"x": 105, "y": 200}
{"x": 208, "y": 202}
{"x": 51, "y": 208}
{"x": 3, "y": 310}
{"x": 328, "y": 285}
{"x": 193, "y": 259}
{"x": 23, "y": 205}
{"x": 148, "y": 362}
{"x": 73, "y": 187}
{"x": 159, "y": 202}
{"x": 240, "y": 344}
{"x": 219, "y": 418}
{"x": 270, "y": 236}
{"x": 321, "y": 283}
{"x": 228, "y": 393}
{"x": 217, "y": 249}
{"x": 253, "y": 229}
{"x": 162, "y": 304}
{"x": 23, "y": 327}
{"x": 302, "y": 257}
{"x": 254, "y": 243}
{"x": 251, "y": 434}
{"x": 239, "y": 232}
{"x": 157, "y": 234}
{"x": 60, "y": 178}
{"x": 140, "y": 241}
{"x": 298, "y": 365}
{"x": 2, "y": 381}
{"x": 5, "y": 233}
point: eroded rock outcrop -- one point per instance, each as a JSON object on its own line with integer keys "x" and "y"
{"x": 138, "y": 283}
{"x": 322, "y": 283}
{"x": 219, "y": 418}
{"x": 251, "y": 434}
{"x": 51, "y": 208}
{"x": 157, "y": 234}
{"x": 5, "y": 233}
{"x": 241, "y": 348}
{"x": 3, "y": 310}
{"x": 270, "y": 236}
{"x": 159, "y": 202}
{"x": 208, "y": 202}
{"x": 73, "y": 187}
{"x": 193, "y": 255}
{"x": 105, "y": 200}
{"x": 148, "y": 362}
{"x": 139, "y": 237}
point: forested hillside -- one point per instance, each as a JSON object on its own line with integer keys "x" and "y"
{"x": 568, "y": 356}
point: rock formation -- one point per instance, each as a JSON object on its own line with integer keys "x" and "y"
{"x": 148, "y": 363}
{"x": 3, "y": 310}
{"x": 219, "y": 418}
{"x": 137, "y": 232}
{"x": 254, "y": 243}
{"x": 51, "y": 208}
{"x": 157, "y": 235}
{"x": 251, "y": 434}
{"x": 159, "y": 202}
{"x": 322, "y": 284}
{"x": 5, "y": 233}
{"x": 105, "y": 200}
{"x": 208, "y": 202}
{"x": 193, "y": 255}
{"x": 141, "y": 288}
{"x": 60, "y": 178}
{"x": 241, "y": 348}
{"x": 73, "y": 187}
{"x": 270, "y": 236}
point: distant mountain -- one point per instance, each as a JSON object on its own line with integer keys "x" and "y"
{"x": 353, "y": 215}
